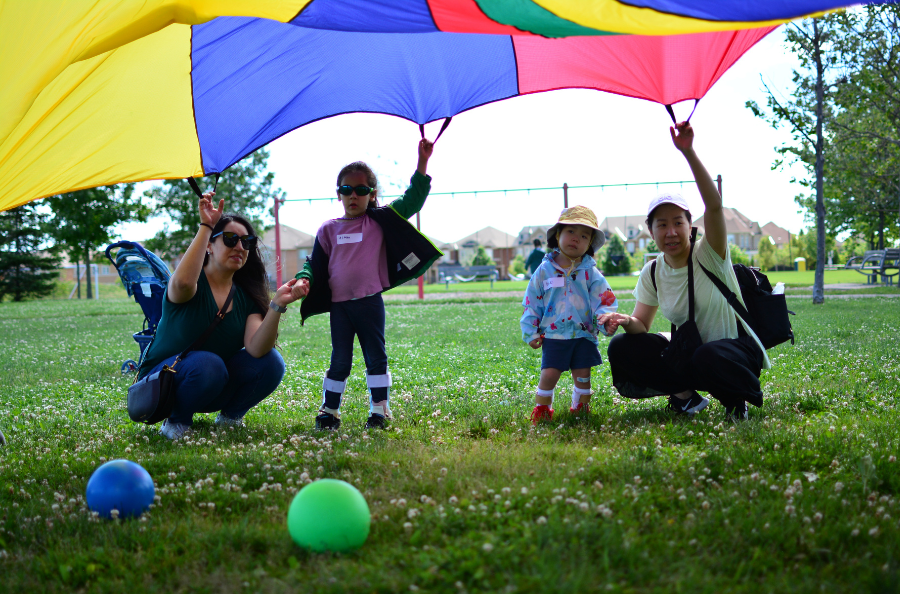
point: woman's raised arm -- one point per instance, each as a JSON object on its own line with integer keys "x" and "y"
{"x": 183, "y": 284}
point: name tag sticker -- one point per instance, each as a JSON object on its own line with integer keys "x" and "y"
{"x": 556, "y": 281}
{"x": 349, "y": 238}
{"x": 411, "y": 260}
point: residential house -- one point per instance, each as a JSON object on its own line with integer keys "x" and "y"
{"x": 526, "y": 237}
{"x": 780, "y": 236}
{"x": 741, "y": 231}
{"x": 499, "y": 245}
{"x": 631, "y": 229}
{"x": 295, "y": 247}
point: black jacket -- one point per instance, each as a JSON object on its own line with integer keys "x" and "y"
{"x": 409, "y": 253}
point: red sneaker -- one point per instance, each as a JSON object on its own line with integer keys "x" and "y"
{"x": 541, "y": 412}
{"x": 582, "y": 409}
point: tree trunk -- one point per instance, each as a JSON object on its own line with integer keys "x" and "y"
{"x": 89, "y": 293}
{"x": 17, "y": 286}
{"x": 78, "y": 276}
{"x": 819, "y": 283}
{"x": 881, "y": 230}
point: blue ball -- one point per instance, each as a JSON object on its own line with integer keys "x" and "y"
{"x": 122, "y": 485}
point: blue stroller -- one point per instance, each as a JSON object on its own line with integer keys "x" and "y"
{"x": 145, "y": 277}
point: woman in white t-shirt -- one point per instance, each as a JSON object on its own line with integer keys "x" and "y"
{"x": 728, "y": 363}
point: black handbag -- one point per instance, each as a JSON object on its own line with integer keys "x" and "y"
{"x": 685, "y": 338}
{"x": 151, "y": 399}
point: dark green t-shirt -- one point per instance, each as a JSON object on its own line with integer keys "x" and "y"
{"x": 183, "y": 323}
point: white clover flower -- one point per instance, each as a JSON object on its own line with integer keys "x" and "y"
{"x": 874, "y": 531}
{"x": 453, "y": 500}
{"x": 789, "y": 509}
{"x": 818, "y": 517}
{"x": 407, "y": 526}
{"x": 838, "y": 487}
{"x": 541, "y": 520}
{"x": 705, "y": 505}
{"x": 524, "y": 491}
{"x": 488, "y": 547}
{"x": 114, "y": 514}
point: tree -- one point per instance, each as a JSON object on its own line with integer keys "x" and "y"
{"x": 807, "y": 114}
{"x": 738, "y": 256}
{"x": 766, "y": 253}
{"x": 481, "y": 257}
{"x": 246, "y": 186}
{"x": 83, "y": 221}
{"x": 652, "y": 247}
{"x": 517, "y": 266}
{"x": 25, "y": 271}
{"x": 616, "y": 260}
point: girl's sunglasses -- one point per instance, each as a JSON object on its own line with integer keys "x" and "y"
{"x": 230, "y": 239}
{"x": 360, "y": 190}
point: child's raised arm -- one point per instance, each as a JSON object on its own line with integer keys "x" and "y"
{"x": 413, "y": 198}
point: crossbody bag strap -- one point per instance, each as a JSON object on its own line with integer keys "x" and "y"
{"x": 691, "y": 275}
{"x": 729, "y": 295}
{"x": 220, "y": 315}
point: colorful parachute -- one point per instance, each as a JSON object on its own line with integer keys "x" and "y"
{"x": 95, "y": 92}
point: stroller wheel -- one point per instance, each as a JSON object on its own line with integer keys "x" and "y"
{"x": 129, "y": 366}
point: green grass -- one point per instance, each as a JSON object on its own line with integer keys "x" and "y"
{"x": 465, "y": 494}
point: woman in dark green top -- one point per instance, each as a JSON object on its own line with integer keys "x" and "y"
{"x": 236, "y": 367}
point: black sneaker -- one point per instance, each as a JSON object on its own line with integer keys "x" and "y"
{"x": 326, "y": 421}
{"x": 689, "y": 407}
{"x": 736, "y": 413}
{"x": 375, "y": 421}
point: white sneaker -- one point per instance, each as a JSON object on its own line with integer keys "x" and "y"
{"x": 173, "y": 430}
{"x": 223, "y": 421}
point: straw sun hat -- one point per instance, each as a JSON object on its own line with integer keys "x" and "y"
{"x": 579, "y": 215}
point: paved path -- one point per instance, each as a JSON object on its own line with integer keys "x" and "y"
{"x": 794, "y": 292}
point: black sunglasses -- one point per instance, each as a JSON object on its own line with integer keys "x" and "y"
{"x": 230, "y": 239}
{"x": 360, "y": 190}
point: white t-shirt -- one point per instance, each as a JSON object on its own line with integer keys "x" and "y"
{"x": 715, "y": 318}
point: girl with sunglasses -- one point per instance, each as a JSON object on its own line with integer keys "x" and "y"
{"x": 236, "y": 366}
{"x": 356, "y": 257}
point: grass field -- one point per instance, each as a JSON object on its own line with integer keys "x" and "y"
{"x": 465, "y": 495}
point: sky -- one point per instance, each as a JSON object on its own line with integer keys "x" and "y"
{"x": 579, "y": 137}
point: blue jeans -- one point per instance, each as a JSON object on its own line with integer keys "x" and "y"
{"x": 205, "y": 383}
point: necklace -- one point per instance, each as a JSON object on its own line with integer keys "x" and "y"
{"x": 351, "y": 218}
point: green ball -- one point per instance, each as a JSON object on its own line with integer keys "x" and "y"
{"x": 329, "y": 515}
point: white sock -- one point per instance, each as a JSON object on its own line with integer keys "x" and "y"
{"x": 544, "y": 394}
{"x": 577, "y": 393}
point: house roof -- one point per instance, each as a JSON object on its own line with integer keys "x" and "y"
{"x": 291, "y": 239}
{"x": 528, "y": 234}
{"x": 778, "y": 234}
{"x": 620, "y": 226}
{"x": 735, "y": 222}
{"x": 488, "y": 237}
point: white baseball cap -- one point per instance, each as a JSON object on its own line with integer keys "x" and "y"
{"x": 668, "y": 198}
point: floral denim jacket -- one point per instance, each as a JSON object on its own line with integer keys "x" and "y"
{"x": 566, "y": 307}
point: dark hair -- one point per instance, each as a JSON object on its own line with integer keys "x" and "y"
{"x": 537, "y": 243}
{"x": 553, "y": 242}
{"x": 371, "y": 180}
{"x": 649, "y": 220}
{"x": 251, "y": 277}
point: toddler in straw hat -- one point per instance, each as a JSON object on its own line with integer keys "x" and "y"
{"x": 564, "y": 299}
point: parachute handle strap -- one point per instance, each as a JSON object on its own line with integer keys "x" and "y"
{"x": 196, "y": 188}
{"x": 672, "y": 112}
{"x": 443, "y": 127}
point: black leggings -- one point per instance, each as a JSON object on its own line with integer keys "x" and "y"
{"x": 728, "y": 369}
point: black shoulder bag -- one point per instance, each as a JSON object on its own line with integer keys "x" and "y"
{"x": 685, "y": 338}
{"x": 151, "y": 399}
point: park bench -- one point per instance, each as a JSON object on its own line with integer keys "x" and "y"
{"x": 467, "y": 274}
{"x": 875, "y": 263}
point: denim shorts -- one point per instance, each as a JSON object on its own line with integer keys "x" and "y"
{"x": 576, "y": 353}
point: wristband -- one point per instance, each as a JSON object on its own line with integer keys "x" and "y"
{"x": 275, "y": 307}
{"x": 207, "y": 225}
